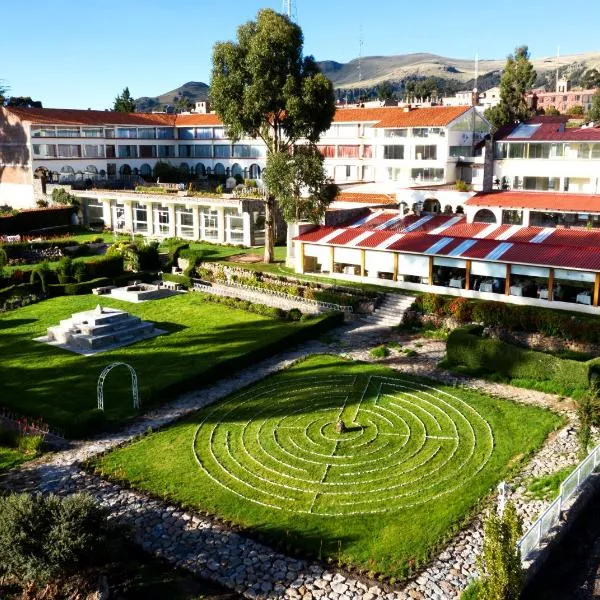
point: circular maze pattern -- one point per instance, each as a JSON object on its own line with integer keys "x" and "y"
{"x": 405, "y": 444}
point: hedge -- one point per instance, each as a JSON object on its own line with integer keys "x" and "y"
{"x": 468, "y": 352}
{"x": 74, "y": 289}
{"x": 183, "y": 280}
{"x": 33, "y": 220}
{"x": 22, "y": 289}
{"x": 109, "y": 266}
{"x": 512, "y": 317}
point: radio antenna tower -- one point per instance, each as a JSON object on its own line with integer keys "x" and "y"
{"x": 360, "y": 51}
{"x": 288, "y": 7}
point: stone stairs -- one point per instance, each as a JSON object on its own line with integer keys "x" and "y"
{"x": 390, "y": 311}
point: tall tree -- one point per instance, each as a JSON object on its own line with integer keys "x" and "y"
{"x": 594, "y": 112}
{"x": 23, "y": 102}
{"x": 590, "y": 79}
{"x": 124, "y": 102}
{"x": 263, "y": 87}
{"x": 384, "y": 91}
{"x": 518, "y": 77}
{"x": 299, "y": 182}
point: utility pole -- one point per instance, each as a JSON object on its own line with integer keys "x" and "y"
{"x": 288, "y": 8}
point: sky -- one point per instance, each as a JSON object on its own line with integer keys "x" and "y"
{"x": 76, "y": 54}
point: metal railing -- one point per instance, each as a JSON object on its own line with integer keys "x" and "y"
{"x": 274, "y": 293}
{"x": 550, "y": 518}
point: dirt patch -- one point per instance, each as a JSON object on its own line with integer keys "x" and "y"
{"x": 245, "y": 258}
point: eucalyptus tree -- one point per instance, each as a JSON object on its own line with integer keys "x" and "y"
{"x": 263, "y": 87}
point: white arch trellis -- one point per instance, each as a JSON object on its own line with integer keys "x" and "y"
{"x": 103, "y": 376}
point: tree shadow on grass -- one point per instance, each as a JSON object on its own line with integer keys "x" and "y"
{"x": 11, "y": 323}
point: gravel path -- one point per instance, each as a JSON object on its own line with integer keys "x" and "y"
{"x": 253, "y": 569}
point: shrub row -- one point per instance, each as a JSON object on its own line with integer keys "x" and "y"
{"x": 31, "y": 220}
{"x": 468, "y": 351}
{"x": 512, "y": 317}
{"x": 74, "y": 289}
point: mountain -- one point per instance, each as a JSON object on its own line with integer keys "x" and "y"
{"x": 450, "y": 74}
{"x": 375, "y": 69}
{"x": 194, "y": 91}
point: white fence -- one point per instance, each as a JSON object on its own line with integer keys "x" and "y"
{"x": 550, "y": 518}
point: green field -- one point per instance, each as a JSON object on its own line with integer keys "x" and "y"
{"x": 415, "y": 458}
{"x": 204, "y": 341}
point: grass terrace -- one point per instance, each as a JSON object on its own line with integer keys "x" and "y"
{"x": 205, "y": 341}
{"x": 414, "y": 460}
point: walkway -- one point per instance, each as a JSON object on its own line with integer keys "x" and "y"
{"x": 219, "y": 553}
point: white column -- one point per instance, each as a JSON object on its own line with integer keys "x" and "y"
{"x": 106, "y": 213}
{"x": 221, "y": 224}
{"x": 247, "y": 221}
{"x": 172, "y": 228}
{"x": 196, "y": 221}
{"x": 150, "y": 213}
{"x": 128, "y": 215}
{"x": 299, "y": 257}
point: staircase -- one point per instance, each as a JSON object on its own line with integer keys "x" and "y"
{"x": 390, "y": 311}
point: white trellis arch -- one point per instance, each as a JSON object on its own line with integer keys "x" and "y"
{"x": 103, "y": 376}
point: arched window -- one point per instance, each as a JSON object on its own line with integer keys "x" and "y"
{"x": 447, "y": 209}
{"x": 66, "y": 174}
{"x": 102, "y": 173}
{"x": 254, "y": 171}
{"x": 146, "y": 170}
{"x": 484, "y": 216}
{"x": 236, "y": 170}
{"x": 91, "y": 169}
{"x": 200, "y": 170}
{"x": 432, "y": 205}
{"x": 460, "y": 210}
{"x": 125, "y": 170}
{"x": 219, "y": 169}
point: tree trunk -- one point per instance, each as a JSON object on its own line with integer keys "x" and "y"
{"x": 269, "y": 229}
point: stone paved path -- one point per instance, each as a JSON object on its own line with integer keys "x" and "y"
{"x": 253, "y": 569}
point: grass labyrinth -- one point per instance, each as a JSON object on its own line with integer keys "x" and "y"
{"x": 415, "y": 457}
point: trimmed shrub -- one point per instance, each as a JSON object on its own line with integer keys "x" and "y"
{"x": 75, "y": 289}
{"x": 183, "y": 280}
{"x": 109, "y": 266}
{"x": 379, "y": 352}
{"x": 469, "y": 352}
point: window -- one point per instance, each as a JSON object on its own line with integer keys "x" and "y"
{"x": 500, "y": 151}
{"x": 327, "y": 151}
{"x": 395, "y": 133}
{"x": 148, "y": 151}
{"x": 557, "y": 150}
{"x": 67, "y": 132}
{"x": 203, "y": 151}
{"x": 166, "y": 151}
{"x": 127, "y": 151}
{"x": 348, "y": 151}
{"x": 394, "y": 174}
{"x": 539, "y": 151}
{"x": 244, "y": 151}
{"x": 140, "y": 217}
{"x": 458, "y": 151}
{"x": 420, "y": 132}
{"x": 162, "y": 219}
{"x": 222, "y": 151}
{"x": 93, "y": 151}
{"x": 367, "y": 151}
{"x": 234, "y": 227}
{"x": 126, "y": 132}
{"x": 147, "y": 133}
{"x": 110, "y": 151}
{"x": 393, "y": 152}
{"x": 43, "y": 132}
{"x": 512, "y": 217}
{"x": 185, "y": 222}
{"x": 516, "y": 150}
{"x": 348, "y": 171}
{"x": 583, "y": 151}
{"x": 204, "y": 133}
{"x": 44, "y": 150}
{"x": 595, "y": 150}
{"x": 541, "y": 183}
{"x": 186, "y": 133}
{"x": 165, "y": 133}
{"x": 433, "y": 175}
{"x": 426, "y": 152}
{"x": 109, "y": 133}
{"x": 219, "y": 133}
{"x": 210, "y": 224}
{"x": 186, "y": 151}
{"x": 69, "y": 151}
{"x": 93, "y": 132}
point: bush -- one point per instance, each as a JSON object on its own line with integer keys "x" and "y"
{"x": 294, "y": 314}
{"x": 43, "y": 273}
{"x": 75, "y": 289}
{"x": 45, "y": 538}
{"x": 64, "y": 269}
{"x": 472, "y": 591}
{"x": 468, "y": 352}
{"x": 183, "y": 280}
{"x": 61, "y": 196}
{"x": 109, "y": 266}
{"x": 379, "y": 352}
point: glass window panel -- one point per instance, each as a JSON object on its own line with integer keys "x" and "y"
{"x": 393, "y": 152}
{"x": 516, "y": 150}
{"x": 147, "y": 151}
{"x": 69, "y": 151}
{"x": 43, "y": 132}
{"x": 222, "y": 151}
{"x": 425, "y": 152}
{"x": 44, "y": 150}
{"x": 204, "y": 151}
{"x": 401, "y": 133}
{"x": 186, "y": 133}
{"x": 204, "y": 133}
{"x": 96, "y": 132}
{"x": 67, "y": 132}
{"x": 165, "y": 133}
{"x": 126, "y": 132}
{"x": 166, "y": 151}
{"x": 146, "y": 133}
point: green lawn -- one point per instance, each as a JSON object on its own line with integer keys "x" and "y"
{"x": 10, "y": 457}
{"x": 414, "y": 460}
{"x": 40, "y": 380}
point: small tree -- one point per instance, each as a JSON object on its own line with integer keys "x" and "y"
{"x": 518, "y": 77}
{"x": 594, "y": 112}
{"x": 576, "y": 110}
{"x": 590, "y": 79}
{"x": 61, "y": 196}
{"x": 124, "y": 102}
{"x": 551, "y": 111}
{"x": 384, "y": 91}
{"x": 500, "y": 560}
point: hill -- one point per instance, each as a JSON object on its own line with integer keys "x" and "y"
{"x": 193, "y": 91}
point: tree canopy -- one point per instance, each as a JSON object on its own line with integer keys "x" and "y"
{"x": 263, "y": 87}
{"x": 590, "y": 79}
{"x": 517, "y": 79}
{"x": 384, "y": 91}
{"x": 124, "y": 102}
{"x": 22, "y": 102}
{"x": 299, "y": 182}
{"x": 594, "y": 112}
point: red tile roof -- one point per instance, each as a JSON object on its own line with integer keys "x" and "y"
{"x": 550, "y": 130}
{"x": 59, "y": 116}
{"x": 538, "y": 200}
{"x": 396, "y": 116}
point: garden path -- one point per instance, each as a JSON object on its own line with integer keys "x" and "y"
{"x": 217, "y": 552}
